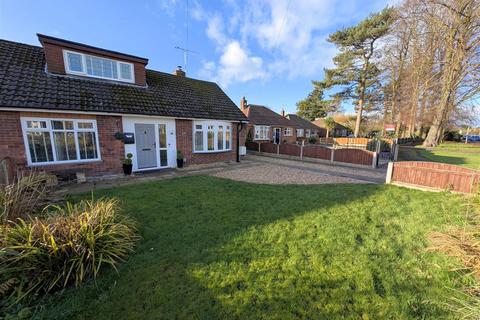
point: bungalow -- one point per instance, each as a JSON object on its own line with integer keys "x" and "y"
{"x": 67, "y": 106}
{"x": 338, "y": 130}
{"x": 267, "y": 125}
{"x": 305, "y": 128}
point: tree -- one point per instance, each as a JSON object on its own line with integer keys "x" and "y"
{"x": 329, "y": 125}
{"x": 355, "y": 69}
{"x": 314, "y": 106}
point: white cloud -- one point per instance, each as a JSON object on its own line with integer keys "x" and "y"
{"x": 235, "y": 65}
{"x": 289, "y": 36}
{"x": 167, "y": 5}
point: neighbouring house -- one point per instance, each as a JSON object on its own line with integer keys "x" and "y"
{"x": 305, "y": 128}
{"x": 67, "y": 106}
{"x": 338, "y": 131}
{"x": 267, "y": 125}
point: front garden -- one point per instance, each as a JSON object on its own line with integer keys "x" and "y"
{"x": 218, "y": 249}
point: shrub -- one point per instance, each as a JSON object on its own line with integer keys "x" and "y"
{"x": 24, "y": 196}
{"x": 312, "y": 140}
{"x": 68, "y": 246}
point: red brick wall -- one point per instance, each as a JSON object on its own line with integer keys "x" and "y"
{"x": 55, "y": 62}
{"x": 111, "y": 150}
{"x": 184, "y": 144}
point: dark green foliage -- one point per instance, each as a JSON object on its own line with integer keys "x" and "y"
{"x": 71, "y": 245}
{"x": 220, "y": 249}
{"x": 314, "y": 106}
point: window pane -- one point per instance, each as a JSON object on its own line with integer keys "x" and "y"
{"x": 88, "y": 145}
{"x": 65, "y": 146}
{"x": 40, "y": 146}
{"x": 57, "y": 125}
{"x": 163, "y": 158}
{"x": 210, "y": 138}
{"x": 85, "y": 125}
{"x": 220, "y": 138}
{"x": 162, "y": 134}
{"x": 125, "y": 71}
{"x": 75, "y": 62}
{"x": 36, "y": 124}
{"x": 227, "y": 138}
{"x": 199, "y": 140}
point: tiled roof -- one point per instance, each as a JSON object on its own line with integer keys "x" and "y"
{"x": 261, "y": 115}
{"x": 321, "y": 123}
{"x": 25, "y": 84}
{"x": 302, "y": 123}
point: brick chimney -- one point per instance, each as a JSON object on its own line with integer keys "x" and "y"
{"x": 179, "y": 72}
{"x": 283, "y": 112}
{"x": 244, "y": 105}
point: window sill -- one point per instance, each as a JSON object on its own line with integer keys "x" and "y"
{"x": 52, "y": 163}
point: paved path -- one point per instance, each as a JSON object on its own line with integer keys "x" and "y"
{"x": 273, "y": 170}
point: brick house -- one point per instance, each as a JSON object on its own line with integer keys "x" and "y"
{"x": 305, "y": 128}
{"x": 338, "y": 131}
{"x": 266, "y": 125}
{"x": 67, "y": 106}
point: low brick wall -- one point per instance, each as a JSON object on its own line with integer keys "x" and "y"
{"x": 434, "y": 175}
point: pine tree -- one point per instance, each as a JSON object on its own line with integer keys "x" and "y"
{"x": 356, "y": 72}
{"x": 315, "y": 106}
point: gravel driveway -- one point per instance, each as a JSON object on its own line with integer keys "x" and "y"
{"x": 269, "y": 170}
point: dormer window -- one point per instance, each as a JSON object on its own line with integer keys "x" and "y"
{"x": 97, "y": 67}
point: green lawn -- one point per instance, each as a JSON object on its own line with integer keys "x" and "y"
{"x": 467, "y": 155}
{"x": 219, "y": 249}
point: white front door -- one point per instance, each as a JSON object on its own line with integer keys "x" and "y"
{"x": 155, "y": 142}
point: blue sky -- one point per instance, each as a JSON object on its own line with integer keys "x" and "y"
{"x": 266, "y": 50}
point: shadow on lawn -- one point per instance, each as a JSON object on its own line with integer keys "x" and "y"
{"x": 421, "y": 154}
{"x": 199, "y": 259}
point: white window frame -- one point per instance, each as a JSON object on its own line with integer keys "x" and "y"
{"x": 216, "y": 124}
{"x": 84, "y": 67}
{"x": 300, "y": 133}
{"x": 287, "y": 132}
{"x": 261, "y": 132}
{"x": 50, "y": 129}
{"x": 307, "y": 133}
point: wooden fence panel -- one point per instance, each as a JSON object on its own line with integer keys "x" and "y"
{"x": 356, "y": 156}
{"x": 436, "y": 175}
{"x": 352, "y": 141}
{"x": 268, "y": 147}
{"x": 290, "y": 149}
{"x": 251, "y": 145}
{"x": 315, "y": 151}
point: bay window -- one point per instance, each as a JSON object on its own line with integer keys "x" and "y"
{"x": 211, "y": 136}
{"x": 262, "y": 133}
{"x": 97, "y": 67}
{"x": 50, "y": 141}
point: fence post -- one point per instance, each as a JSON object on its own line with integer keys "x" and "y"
{"x": 395, "y": 154}
{"x": 388, "y": 178}
{"x": 332, "y": 154}
{"x": 278, "y": 148}
{"x": 259, "y": 144}
{"x": 301, "y": 149}
{"x": 374, "y": 160}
